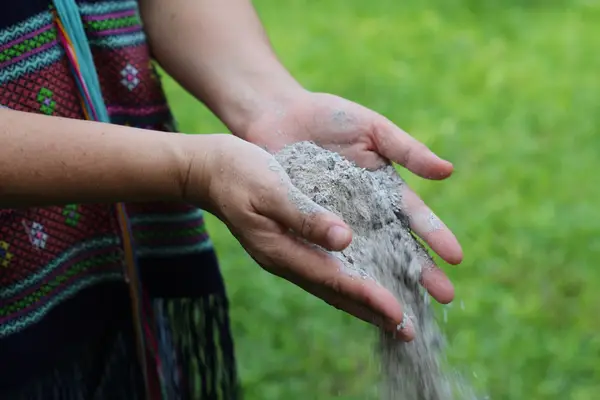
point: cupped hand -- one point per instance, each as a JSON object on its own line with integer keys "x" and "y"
{"x": 370, "y": 140}
{"x": 283, "y": 230}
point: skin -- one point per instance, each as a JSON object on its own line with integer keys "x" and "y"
{"x": 52, "y": 161}
{"x": 49, "y": 161}
{"x": 219, "y": 51}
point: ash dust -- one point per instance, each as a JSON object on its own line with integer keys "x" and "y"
{"x": 383, "y": 249}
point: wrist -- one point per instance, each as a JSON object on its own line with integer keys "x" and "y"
{"x": 199, "y": 160}
{"x": 160, "y": 160}
{"x": 254, "y": 97}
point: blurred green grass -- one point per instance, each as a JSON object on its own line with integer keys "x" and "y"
{"x": 508, "y": 91}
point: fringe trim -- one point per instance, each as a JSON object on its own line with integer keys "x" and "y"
{"x": 195, "y": 349}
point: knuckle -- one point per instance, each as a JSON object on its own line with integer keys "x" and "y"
{"x": 381, "y": 136}
{"x": 334, "y": 284}
{"x": 307, "y": 225}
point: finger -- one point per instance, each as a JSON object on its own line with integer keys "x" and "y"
{"x": 307, "y": 219}
{"x": 396, "y": 145}
{"x": 430, "y": 228}
{"x": 321, "y": 274}
{"x": 403, "y": 330}
{"x": 437, "y": 284}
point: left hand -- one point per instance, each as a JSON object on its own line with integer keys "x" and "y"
{"x": 370, "y": 140}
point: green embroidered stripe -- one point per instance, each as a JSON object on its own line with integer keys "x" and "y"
{"x": 28, "y": 45}
{"x": 32, "y": 24}
{"x": 31, "y": 64}
{"x": 106, "y": 7}
{"x": 113, "y": 23}
{"x": 56, "y": 282}
{"x": 108, "y": 241}
{"x": 21, "y": 323}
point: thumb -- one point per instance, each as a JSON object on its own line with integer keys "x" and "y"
{"x": 295, "y": 211}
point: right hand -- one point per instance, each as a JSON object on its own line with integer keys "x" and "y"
{"x": 249, "y": 191}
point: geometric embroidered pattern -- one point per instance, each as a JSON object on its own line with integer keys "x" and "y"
{"x": 130, "y": 77}
{"x": 63, "y": 266}
{"x": 12, "y": 325}
{"x": 5, "y": 256}
{"x": 43, "y": 39}
{"x": 49, "y": 254}
{"x": 71, "y": 214}
{"x": 113, "y": 22}
{"x": 47, "y": 105}
{"x": 37, "y": 235}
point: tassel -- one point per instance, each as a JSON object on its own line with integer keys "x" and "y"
{"x": 197, "y": 353}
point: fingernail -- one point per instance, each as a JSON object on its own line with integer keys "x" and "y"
{"x": 338, "y": 237}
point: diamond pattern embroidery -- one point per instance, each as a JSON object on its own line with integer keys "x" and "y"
{"x": 130, "y": 77}
{"x": 47, "y": 105}
{"x": 38, "y": 236}
{"x": 5, "y": 256}
{"x": 71, "y": 214}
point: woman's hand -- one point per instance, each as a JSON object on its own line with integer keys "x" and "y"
{"x": 279, "y": 227}
{"x": 370, "y": 140}
{"x": 236, "y": 73}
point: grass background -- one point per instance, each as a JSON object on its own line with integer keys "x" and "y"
{"x": 508, "y": 91}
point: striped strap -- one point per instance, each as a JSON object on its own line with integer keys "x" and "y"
{"x": 74, "y": 40}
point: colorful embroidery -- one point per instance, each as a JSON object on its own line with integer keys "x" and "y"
{"x": 106, "y": 7}
{"x": 31, "y": 64}
{"x": 25, "y": 28}
{"x": 101, "y": 245}
{"x": 130, "y": 77}
{"x": 116, "y": 42}
{"x": 35, "y": 294}
{"x": 5, "y": 256}
{"x": 19, "y": 322}
{"x": 27, "y": 47}
{"x": 47, "y": 105}
{"x": 160, "y": 234}
{"x": 38, "y": 40}
{"x": 71, "y": 214}
{"x": 37, "y": 235}
{"x": 115, "y": 23}
{"x": 81, "y": 243}
{"x": 78, "y": 247}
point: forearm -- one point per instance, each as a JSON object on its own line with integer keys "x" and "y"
{"x": 218, "y": 51}
{"x": 52, "y": 161}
